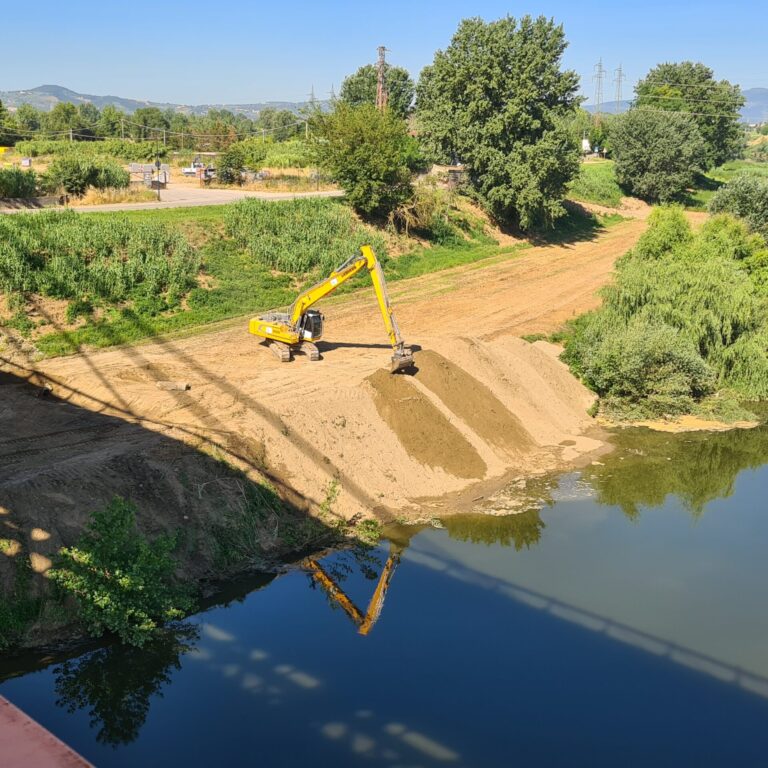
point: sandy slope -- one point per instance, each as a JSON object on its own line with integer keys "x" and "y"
{"x": 483, "y": 406}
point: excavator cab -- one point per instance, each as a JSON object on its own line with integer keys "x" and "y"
{"x": 311, "y": 325}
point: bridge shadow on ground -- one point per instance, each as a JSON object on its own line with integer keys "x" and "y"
{"x": 59, "y": 462}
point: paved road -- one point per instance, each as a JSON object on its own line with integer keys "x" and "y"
{"x": 186, "y": 196}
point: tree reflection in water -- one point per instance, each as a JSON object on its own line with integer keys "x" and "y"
{"x": 697, "y": 467}
{"x": 521, "y": 530}
{"x": 115, "y": 684}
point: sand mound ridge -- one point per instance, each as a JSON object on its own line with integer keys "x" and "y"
{"x": 474, "y": 412}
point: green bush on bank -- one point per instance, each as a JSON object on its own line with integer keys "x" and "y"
{"x": 746, "y": 197}
{"x": 17, "y": 183}
{"x": 76, "y": 174}
{"x": 122, "y": 582}
{"x": 686, "y": 316}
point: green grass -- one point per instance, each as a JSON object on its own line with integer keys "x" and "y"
{"x": 596, "y": 183}
{"x": 710, "y": 182}
{"x": 240, "y": 282}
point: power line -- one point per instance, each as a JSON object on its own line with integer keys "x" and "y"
{"x": 684, "y": 98}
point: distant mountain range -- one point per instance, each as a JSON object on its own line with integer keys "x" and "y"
{"x": 47, "y": 96}
{"x": 754, "y": 111}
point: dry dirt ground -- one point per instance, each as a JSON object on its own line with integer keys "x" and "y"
{"x": 340, "y": 435}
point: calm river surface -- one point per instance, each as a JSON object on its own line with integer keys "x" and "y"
{"x": 625, "y": 623}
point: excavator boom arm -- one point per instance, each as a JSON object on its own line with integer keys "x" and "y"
{"x": 320, "y": 290}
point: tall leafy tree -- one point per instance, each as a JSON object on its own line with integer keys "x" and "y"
{"x": 369, "y": 152}
{"x": 657, "y": 154}
{"x": 713, "y": 104}
{"x": 62, "y": 118}
{"x": 495, "y": 100}
{"x": 28, "y": 119}
{"x": 111, "y": 122}
{"x": 360, "y": 88}
{"x": 148, "y": 123}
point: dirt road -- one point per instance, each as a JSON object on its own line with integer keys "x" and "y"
{"x": 484, "y": 406}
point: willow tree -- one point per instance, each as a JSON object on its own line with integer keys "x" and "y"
{"x": 495, "y": 100}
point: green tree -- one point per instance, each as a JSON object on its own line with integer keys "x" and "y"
{"x": 28, "y": 119}
{"x": 360, "y": 88}
{"x": 7, "y": 135}
{"x": 713, "y": 105}
{"x": 122, "y": 582}
{"x": 369, "y": 153}
{"x": 657, "y": 154}
{"x": 111, "y": 122}
{"x": 148, "y": 123}
{"x": 229, "y": 165}
{"x": 63, "y": 118}
{"x": 278, "y": 124}
{"x": 496, "y": 100}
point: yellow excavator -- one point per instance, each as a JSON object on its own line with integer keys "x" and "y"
{"x": 292, "y": 332}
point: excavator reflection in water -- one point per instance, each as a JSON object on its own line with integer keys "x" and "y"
{"x": 521, "y": 531}
{"x": 363, "y": 621}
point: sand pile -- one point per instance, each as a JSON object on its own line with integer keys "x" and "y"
{"x": 474, "y": 412}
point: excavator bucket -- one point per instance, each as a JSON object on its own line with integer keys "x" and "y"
{"x": 402, "y": 360}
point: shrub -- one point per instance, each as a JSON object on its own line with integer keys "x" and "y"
{"x": 253, "y": 152}
{"x": 299, "y": 236}
{"x": 746, "y": 197}
{"x": 17, "y": 183}
{"x": 229, "y": 166}
{"x": 657, "y": 154}
{"x": 122, "y": 582}
{"x": 77, "y": 174}
{"x": 647, "y": 362}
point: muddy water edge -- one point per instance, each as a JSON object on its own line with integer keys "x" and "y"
{"x": 619, "y": 618}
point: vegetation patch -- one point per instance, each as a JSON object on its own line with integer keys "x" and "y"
{"x": 94, "y": 260}
{"x": 685, "y": 319}
{"x": 121, "y": 581}
{"x": 299, "y": 236}
{"x": 596, "y": 183}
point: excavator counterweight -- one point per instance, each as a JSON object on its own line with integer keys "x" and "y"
{"x": 289, "y": 333}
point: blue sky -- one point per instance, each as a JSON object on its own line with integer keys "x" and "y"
{"x": 194, "y": 52}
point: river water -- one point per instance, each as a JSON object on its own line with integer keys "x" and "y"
{"x": 621, "y": 622}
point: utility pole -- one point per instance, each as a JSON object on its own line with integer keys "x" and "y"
{"x": 598, "y": 78}
{"x": 122, "y": 128}
{"x": 618, "y": 79}
{"x": 381, "y": 85}
{"x": 70, "y": 136}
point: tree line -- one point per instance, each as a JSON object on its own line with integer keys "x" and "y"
{"x": 213, "y": 131}
{"x": 498, "y": 101}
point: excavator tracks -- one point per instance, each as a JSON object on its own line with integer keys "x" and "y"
{"x": 281, "y": 351}
{"x": 309, "y": 349}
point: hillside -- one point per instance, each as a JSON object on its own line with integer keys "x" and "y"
{"x": 47, "y": 96}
